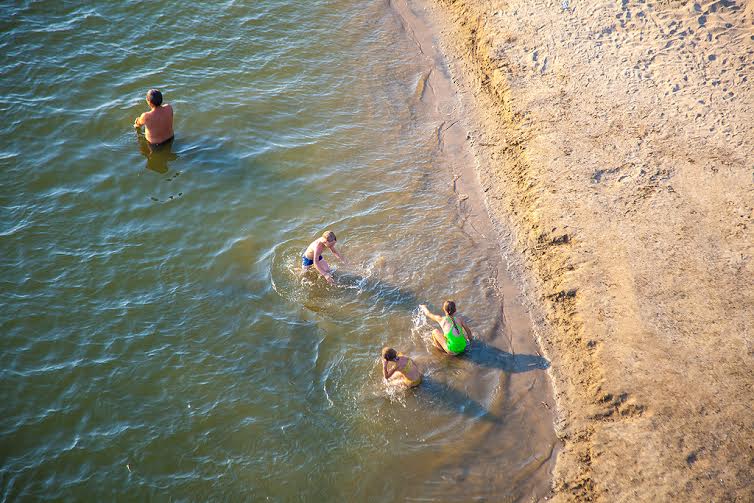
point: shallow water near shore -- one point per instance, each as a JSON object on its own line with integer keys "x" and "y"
{"x": 158, "y": 337}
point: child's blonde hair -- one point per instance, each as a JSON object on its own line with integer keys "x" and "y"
{"x": 329, "y": 236}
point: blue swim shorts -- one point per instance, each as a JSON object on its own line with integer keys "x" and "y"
{"x": 307, "y": 262}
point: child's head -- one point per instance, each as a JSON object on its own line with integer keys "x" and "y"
{"x": 329, "y": 236}
{"x": 449, "y": 307}
{"x": 389, "y": 354}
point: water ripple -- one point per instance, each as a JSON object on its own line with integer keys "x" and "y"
{"x": 159, "y": 336}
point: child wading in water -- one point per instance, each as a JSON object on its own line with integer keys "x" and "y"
{"x": 403, "y": 366}
{"x": 455, "y": 335}
{"x": 313, "y": 255}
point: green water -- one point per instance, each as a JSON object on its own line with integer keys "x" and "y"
{"x": 158, "y": 341}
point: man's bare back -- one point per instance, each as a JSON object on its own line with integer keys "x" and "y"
{"x": 158, "y": 122}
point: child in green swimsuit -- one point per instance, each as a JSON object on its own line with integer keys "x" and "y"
{"x": 410, "y": 375}
{"x": 455, "y": 335}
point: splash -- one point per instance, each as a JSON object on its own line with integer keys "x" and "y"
{"x": 292, "y": 283}
{"x": 420, "y": 329}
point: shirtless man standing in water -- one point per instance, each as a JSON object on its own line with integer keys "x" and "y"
{"x": 313, "y": 255}
{"x": 158, "y": 122}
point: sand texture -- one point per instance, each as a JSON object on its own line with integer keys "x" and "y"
{"x": 614, "y": 142}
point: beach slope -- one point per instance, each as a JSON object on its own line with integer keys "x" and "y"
{"x": 614, "y": 139}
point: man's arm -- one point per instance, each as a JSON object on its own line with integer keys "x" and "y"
{"x": 139, "y": 120}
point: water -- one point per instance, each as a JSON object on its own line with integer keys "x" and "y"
{"x": 158, "y": 341}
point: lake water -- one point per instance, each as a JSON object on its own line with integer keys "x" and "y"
{"x": 158, "y": 339}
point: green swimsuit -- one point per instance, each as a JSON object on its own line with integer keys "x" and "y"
{"x": 456, "y": 343}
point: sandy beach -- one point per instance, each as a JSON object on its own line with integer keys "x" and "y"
{"x": 614, "y": 145}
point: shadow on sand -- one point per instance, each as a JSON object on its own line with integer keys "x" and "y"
{"x": 485, "y": 355}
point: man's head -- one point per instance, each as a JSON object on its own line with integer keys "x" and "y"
{"x": 154, "y": 97}
{"x": 329, "y": 236}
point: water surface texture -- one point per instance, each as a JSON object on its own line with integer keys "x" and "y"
{"x": 158, "y": 339}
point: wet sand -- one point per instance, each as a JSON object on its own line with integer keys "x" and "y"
{"x": 613, "y": 143}
{"x": 512, "y": 457}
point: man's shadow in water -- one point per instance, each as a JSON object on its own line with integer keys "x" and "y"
{"x": 438, "y": 392}
{"x": 488, "y": 356}
{"x": 157, "y": 156}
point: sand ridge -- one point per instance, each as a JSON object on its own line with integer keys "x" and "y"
{"x": 615, "y": 139}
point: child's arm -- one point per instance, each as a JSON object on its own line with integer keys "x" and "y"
{"x": 335, "y": 252}
{"x": 428, "y": 313}
{"x": 466, "y": 331}
{"x": 326, "y": 275}
{"x": 388, "y": 373}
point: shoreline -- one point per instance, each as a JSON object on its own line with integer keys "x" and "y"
{"x": 534, "y": 402}
{"x": 633, "y": 242}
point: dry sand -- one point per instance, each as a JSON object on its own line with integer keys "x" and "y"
{"x": 614, "y": 142}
